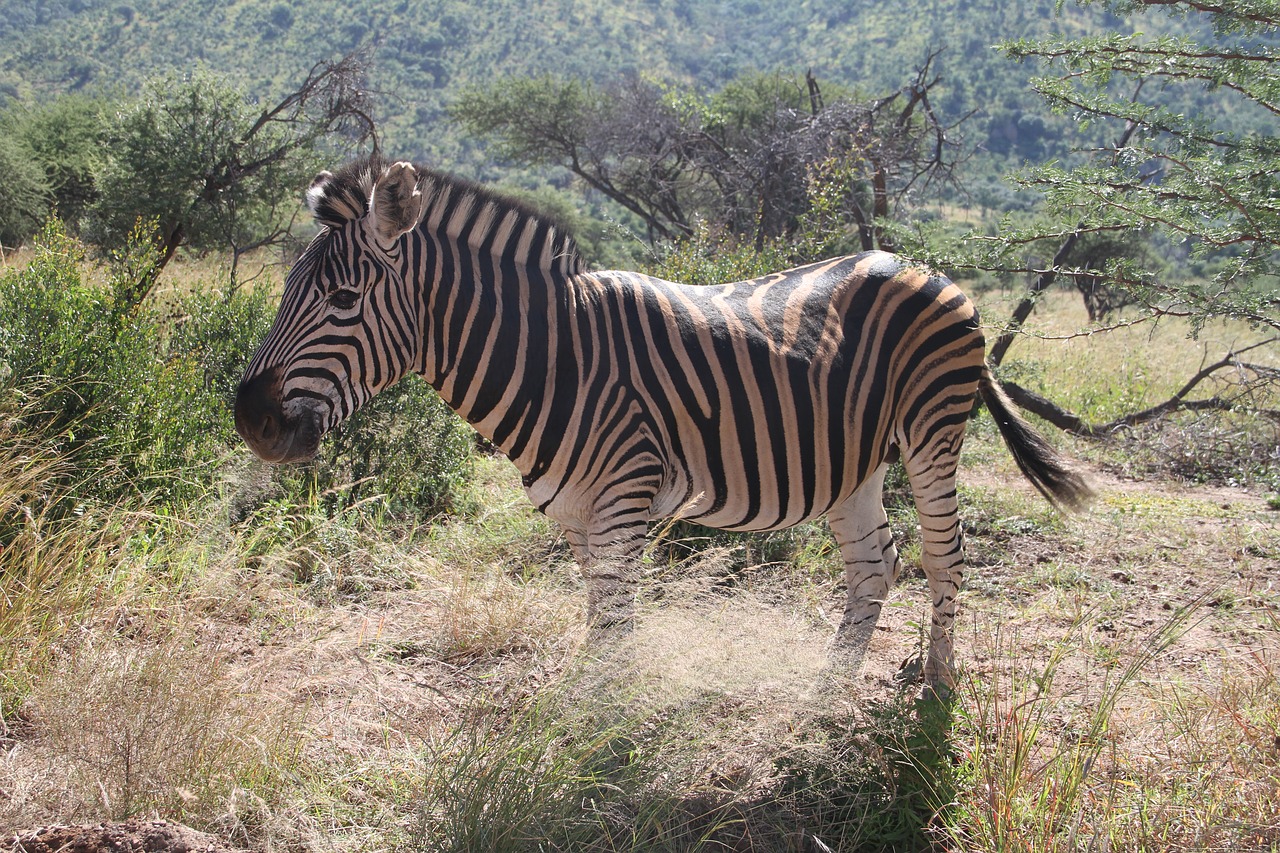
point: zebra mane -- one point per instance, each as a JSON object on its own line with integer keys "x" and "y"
{"x": 340, "y": 197}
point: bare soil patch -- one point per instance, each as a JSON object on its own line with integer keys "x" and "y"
{"x": 133, "y": 836}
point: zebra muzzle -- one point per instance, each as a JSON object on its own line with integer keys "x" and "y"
{"x": 271, "y": 432}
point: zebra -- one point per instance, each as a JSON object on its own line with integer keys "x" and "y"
{"x": 623, "y": 399}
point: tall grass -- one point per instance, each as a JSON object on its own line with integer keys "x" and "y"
{"x": 121, "y": 711}
{"x": 57, "y": 554}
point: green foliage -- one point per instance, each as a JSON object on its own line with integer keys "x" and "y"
{"x": 139, "y": 405}
{"x": 405, "y": 448}
{"x": 531, "y": 119}
{"x": 190, "y": 155}
{"x": 64, "y": 136}
{"x": 742, "y": 158}
{"x": 1205, "y": 180}
{"x": 716, "y": 256}
{"x": 875, "y": 781}
{"x": 431, "y": 50}
{"x": 24, "y": 192}
{"x": 710, "y": 257}
{"x": 138, "y": 395}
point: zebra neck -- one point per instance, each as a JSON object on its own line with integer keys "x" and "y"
{"x": 497, "y": 306}
{"x": 472, "y": 220}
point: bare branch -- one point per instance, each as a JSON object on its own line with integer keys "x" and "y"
{"x": 1043, "y": 407}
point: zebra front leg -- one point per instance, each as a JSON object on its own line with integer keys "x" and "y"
{"x": 611, "y": 566}
{"x": 870, "y": 566}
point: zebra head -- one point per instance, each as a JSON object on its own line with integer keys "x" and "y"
{"x": 347, "y": 324}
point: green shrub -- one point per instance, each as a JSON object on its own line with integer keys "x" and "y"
{"x": 62, "y": 138}
{"x": 405, "y": 445}
{"x": 129, "y": 396}
{"x": 873, "y": 780}
{"x": 404, "y": 453}
{"x": 711, "y": 257}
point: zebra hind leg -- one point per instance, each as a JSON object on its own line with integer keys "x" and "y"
{"x": 871, "y": 566}
{"x": 931, "y": 470}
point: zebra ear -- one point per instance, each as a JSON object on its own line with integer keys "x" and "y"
{"x": 395, "y": 205}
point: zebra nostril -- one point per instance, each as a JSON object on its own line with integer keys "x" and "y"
{"x": 270, "y": 428}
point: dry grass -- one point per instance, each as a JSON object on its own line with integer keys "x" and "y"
{"x": 135, "y": 729}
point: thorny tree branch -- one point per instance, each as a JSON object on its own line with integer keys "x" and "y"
{"x": 1260, "y": 15}
{"x": 333, "y": 98}
{"x": 670, "y": 161}
{"x": 1046, "y": 278}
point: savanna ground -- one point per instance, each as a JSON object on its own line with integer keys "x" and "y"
{"x": 291, "y": 680}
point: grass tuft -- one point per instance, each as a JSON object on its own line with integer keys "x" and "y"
{"x": 154, "y": 729}
{"x": 1036, "y": 761}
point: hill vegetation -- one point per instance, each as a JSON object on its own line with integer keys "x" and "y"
{"x": 426, "y": 56}
{"x": 428, "y": 51}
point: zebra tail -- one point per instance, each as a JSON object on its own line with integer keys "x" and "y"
{"x": 1050, "y": 472}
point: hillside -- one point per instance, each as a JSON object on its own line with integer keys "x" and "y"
{"x": 426, "y": 51}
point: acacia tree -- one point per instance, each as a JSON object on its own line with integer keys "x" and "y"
{"x": 1193, "y": 164}
{"x": 213, "y": 169}
{"x": 743, "y": 158}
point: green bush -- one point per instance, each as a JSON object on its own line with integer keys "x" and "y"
{"x": 405, "y": 451}
{"x": 134, "y": 398}
{"x": 712, "y": 257}
{"x": 139, "y": 395}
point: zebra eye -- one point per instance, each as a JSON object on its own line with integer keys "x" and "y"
{"x": 344, "y": 300}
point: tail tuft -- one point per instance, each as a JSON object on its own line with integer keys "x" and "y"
{"x": 1055, "y": 477}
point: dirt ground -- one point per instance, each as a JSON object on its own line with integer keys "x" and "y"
{"x": 134, "y": 836}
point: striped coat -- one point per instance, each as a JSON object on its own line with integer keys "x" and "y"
{"x": 622, "y": 398}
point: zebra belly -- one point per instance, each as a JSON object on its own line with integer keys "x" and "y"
{"x": 727, "y": 495}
